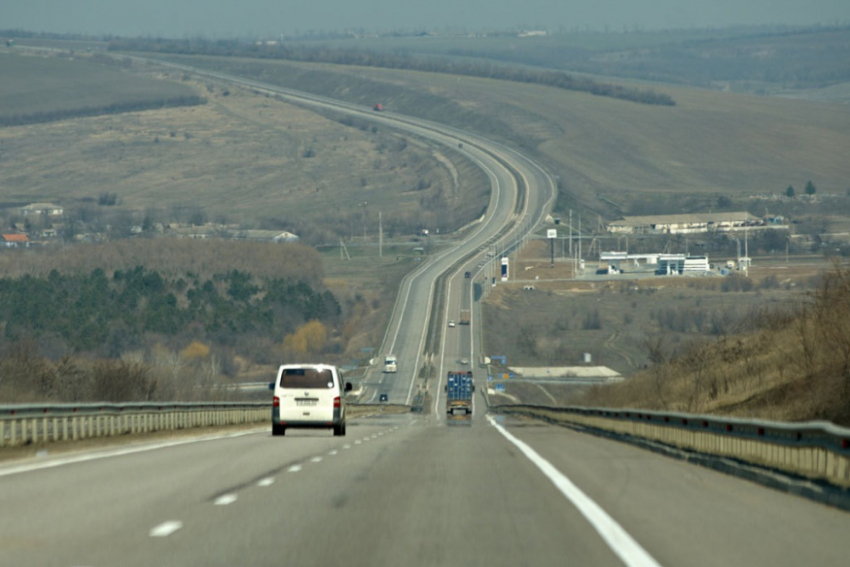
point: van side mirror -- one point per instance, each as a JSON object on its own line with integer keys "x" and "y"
{"x": 348, "y": 387}
{"x": 271, "y": 386}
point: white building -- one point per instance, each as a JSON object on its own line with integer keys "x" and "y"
{"x": 685, "y": 224}
{"x": 48, "y": 209}
{"x": 673, "y": 264}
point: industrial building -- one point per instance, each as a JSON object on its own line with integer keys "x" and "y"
{"x": 686, "y": 224}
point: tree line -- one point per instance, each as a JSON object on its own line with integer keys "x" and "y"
{"x": 110, "y": 315}
{"x": 235, "y": 48}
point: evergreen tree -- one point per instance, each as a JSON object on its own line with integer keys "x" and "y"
{"x": 810, "y": 188}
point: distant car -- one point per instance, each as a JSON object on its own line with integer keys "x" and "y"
{"x": 463, "y": 362}
{"x": 452, "y": 323}
{"x": 467, "y": 275}
{"x": 383, "y": 398}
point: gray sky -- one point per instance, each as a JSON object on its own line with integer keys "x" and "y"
{"x": 231, "y": 18}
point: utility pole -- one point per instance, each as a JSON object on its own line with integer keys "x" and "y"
{"x": 579, "y": 241}
{"x": 380, "y": 235}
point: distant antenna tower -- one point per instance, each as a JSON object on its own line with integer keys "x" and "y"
{"x": 343, "y": 251}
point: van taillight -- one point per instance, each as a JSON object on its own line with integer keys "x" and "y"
{"x": 336, "y": 402}
{"x": 276, "y": 402}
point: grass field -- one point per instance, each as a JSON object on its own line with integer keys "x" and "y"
{"x": 613, "y": 156}
{"x": 244, "y": 158}
{"x": 709, "y": 144}
{"x": 34, "y": 83}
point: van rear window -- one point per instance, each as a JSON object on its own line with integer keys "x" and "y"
{"x": 306, "y": 378}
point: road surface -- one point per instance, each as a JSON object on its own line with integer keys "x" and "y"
{"x": 403, "y": 490}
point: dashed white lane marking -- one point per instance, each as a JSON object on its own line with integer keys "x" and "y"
{"x": 619, "y": 541}
{"x": 266, "y": 482}
{"x": 358, "y": 442}
{"x": 346, "y": 446}
{"x": 225, "y": 500}
{"x": 316, "y": 460}
{"x": 334, "y": 452}
{"x": 165, "y": 529}
{"x": 294, "y": 468}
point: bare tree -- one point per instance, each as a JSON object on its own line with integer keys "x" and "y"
{"x": 658, "y": 354}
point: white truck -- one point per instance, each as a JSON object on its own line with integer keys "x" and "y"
{"x": 390, "y": 364}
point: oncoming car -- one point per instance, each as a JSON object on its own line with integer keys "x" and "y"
{"x": 452, "y": 323}
{"x": 309, "y": 396}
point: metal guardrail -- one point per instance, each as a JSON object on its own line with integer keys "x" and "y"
{"x": 22, "y": 424}
{"x": 814, "y": 449}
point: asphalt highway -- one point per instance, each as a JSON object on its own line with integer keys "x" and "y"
{"x": 402, "y": 490}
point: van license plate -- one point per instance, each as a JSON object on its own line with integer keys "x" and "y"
{"x": 305, "y": 402}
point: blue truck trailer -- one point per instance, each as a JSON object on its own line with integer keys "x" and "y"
{"x": 459, "y": 390}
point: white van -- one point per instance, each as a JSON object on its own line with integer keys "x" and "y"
{"x": 309, "y": 396}
{"x": 390, "y": 363}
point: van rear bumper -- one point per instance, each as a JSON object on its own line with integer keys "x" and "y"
{"x": 317, "y": 423}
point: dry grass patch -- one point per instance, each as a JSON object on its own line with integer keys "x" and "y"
{"x": 795, "y": 367}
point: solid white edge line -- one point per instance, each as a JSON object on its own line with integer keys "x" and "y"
{"x": 266, "y": 482}
{"x": 116, "y": 453}
{"x": 316, "y": 460}
{"x": 621, "y": 543}
{"x": 294, "y": 468}
{"x": 165, "y": 529}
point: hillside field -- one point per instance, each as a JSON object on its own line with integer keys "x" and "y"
{"x": 612, "y": 157}
{"x": 241, "y": 158}
{"x": 36, "y": 87}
